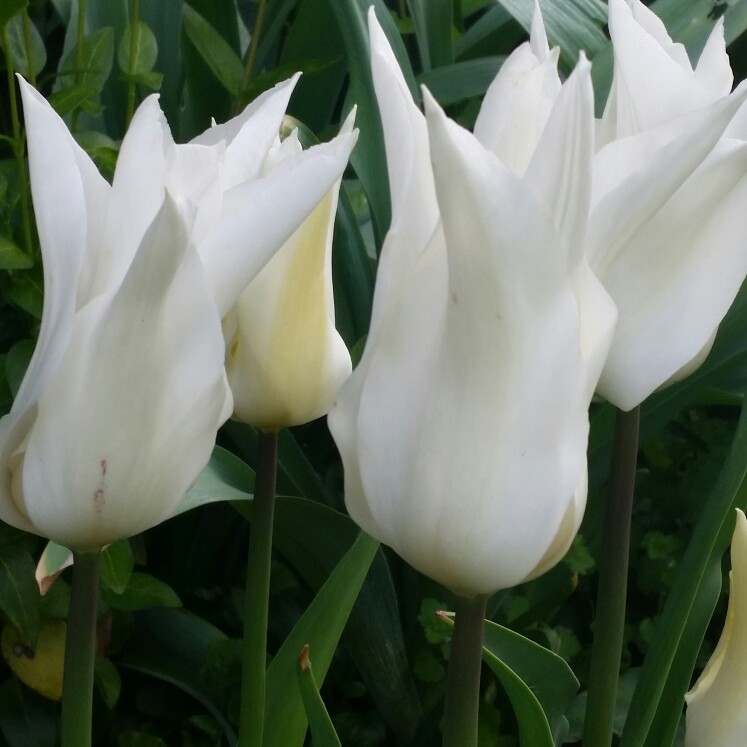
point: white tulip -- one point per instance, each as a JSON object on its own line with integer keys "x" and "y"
{"x": 463, "y": 430}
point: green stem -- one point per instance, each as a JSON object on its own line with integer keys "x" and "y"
{"x": 80, "y": 651}
{"x": 134, "y": 35}
{"x": 254, "y": 654}
{"x": 609, "y": 623}
{"x": 18, "y": 141}
{"x": 463, "y": 677}
{"x": 251, "y": 54}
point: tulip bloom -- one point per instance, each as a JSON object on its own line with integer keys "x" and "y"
{"x": 668, "y": 226}
{"x": 717, "y": 705}
{"x": 463, "y": 430}
{"x": 285, "y": 360}
{"x": 119, "y": 409}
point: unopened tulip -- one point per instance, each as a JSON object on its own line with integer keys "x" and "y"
{"x": 119, "y": 409}
{"x": 668, "y": 227}
{"x": 285, "y": 360}
{"x": 463, "y": 430}
{"x": 717, "y": 705}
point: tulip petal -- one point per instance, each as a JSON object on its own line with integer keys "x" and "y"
{"x": 415, "y": 216}
{"x": 516, "y": 317}
{"x": 148, "y": 359}
{"x": 58, "y": 166}
{"x": 249, "y": 136}
{"x": 285, "y": 360}
{"x": 688, "y": 262}
{"x": 653, "y": 79}
{"x": 560, "y": 169}
{"x": 260, "y": 215}
{"x": 137, "y": 194}
{"x": 634, "y": 176}
{"x": 713, "y": 71}
{"x": 517, "y": 104}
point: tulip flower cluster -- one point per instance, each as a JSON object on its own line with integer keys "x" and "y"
{"x": 119, "y": 409}
{"x": 542, "y": 258}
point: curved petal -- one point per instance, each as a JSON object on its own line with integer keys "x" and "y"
{"x": 286, "y": 361}
{"x": 260, "y": 215}
{"x": 687, "y": 263}
{"x": 561, "y": 167}
{"x": 57, "y": 167}
{"x": 635, "y": 176}
{"x": 137, "y": 194}
{"x": 517, "y": 104}
{"x": 653, "y": 79}
{"x": 249, "y": 136}
{"x": 148, "y": 358}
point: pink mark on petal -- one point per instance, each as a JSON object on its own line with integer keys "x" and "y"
{"x": 103, "y": 467}
{"x": 98, "y": 500}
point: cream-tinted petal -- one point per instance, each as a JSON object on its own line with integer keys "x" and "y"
{"x": 260, "y": 215}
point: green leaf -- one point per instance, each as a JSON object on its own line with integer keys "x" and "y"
{"x": 16, "y": 362}
{"x": 434, "y": 21}
{"x": 225, "y": 478}
{"x": 26, "y": 719}
{"x": 29, "y": 62}
{"x": 172, "y": 645}
{"x": 217, "y": 54}
{"x": 145, "y": 48}
{"x": 70, "y": 98}
{"x": 320, "y": 627}
{"x": 313, "y": 539}
{"x": 12, "y": 257}
{"x": 320, "y": 724}
{"x": 107, "y": 681}
{"x": 116, "y": 566}
{"x": 462, "y": 80}
{"x": 369, "y": 158}
{"x": 19, "y": 597}
{"x": 547, "y": 675}
{"x": 150, "y": 80}
{"x": 680, "y": 629}
{"x": 143, "y": 591}
{"x": 98, "y": 58}
{"x": 9, "y": 8}
{"x": 25, "y": 290}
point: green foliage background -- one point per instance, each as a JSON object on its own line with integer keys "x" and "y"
{"x": 168, "y": 670}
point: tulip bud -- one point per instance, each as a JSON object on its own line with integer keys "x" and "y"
{"x": 717, "y": 705}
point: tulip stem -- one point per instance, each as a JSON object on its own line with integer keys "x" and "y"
{"x": 254, "y": 654}
{"x": 463, "y": 676}
{"x": 609, "y": 623}
{"x": 80, "y": 651}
